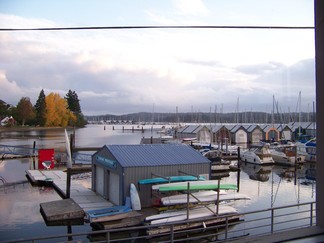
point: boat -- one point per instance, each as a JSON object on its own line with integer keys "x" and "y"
{"x": 258, "y": 154}
{"x": 134, "y": 197}
{"x": 193, "y": 185}
{"x": 202, "y": 196}
{"x": 285, "y": 154}
{"x": 311, "y": 154}
{"x": 108, "y": 214}
{"x": 306, "y": 149}
{"x": 199, "y": 212}
{"x": 220, "y": 165}
{"x": 158, "y": 180}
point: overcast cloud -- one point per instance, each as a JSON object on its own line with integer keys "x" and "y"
{"x": 126, "y": 71}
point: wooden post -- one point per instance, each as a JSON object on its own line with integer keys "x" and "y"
{"x": 34, "y": 148}
{"x": 68, "y": 183}
{"x": 217, "y": 206}
{"x": 238, "y": 157}
{"x": 188, "y": 196}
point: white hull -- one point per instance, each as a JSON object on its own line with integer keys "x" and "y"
{"x": 212, "y": 197}
{"x": 193, "y": 214}
{"x": 257, "y": 155}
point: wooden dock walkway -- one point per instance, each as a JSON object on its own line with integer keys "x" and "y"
{"x": 84, "y": 197}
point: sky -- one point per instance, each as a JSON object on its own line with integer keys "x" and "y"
{"x": 122, "y": 71}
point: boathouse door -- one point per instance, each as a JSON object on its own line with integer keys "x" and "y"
{"x": 113, "y": 188}
{"x": 100, "y": 180}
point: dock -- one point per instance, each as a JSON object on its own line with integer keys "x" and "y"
{"x": 81, "y": 198}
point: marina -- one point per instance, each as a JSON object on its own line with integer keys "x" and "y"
{"x": 263, "y": 194}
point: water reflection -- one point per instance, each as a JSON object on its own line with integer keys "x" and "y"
{"x": 19, "y": 205}
{"x": 257, "y": 172}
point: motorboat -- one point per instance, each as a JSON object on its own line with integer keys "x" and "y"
{"x": 285, "y": 154}
{"x": 258, "y": 154}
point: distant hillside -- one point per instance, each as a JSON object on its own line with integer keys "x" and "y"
{"x": 201, "y": 117}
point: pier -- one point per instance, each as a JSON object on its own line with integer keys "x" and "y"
{"x": 81, "y": 198}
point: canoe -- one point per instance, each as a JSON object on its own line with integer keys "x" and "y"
{"x": 183, "y": 211}
{"x": 108, "y": 214}
{"x": 212, "y": 197}
{"x": 196, "y": 194}
{"x": 135, "y": 199}
{"x": 193, "y": 185}
{"x": 194, "y": 214}
{"x": 157, "y": 180}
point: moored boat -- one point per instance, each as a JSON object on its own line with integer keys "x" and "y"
{"x": 258, "y": 154}
{"x": 202, "y": 196}
{"x": 108, "y": 214}
{"x": 285, "y": 154}
{"x": 199, "y": 212}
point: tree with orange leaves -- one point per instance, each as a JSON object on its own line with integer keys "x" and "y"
{"x": 57, "y": 112}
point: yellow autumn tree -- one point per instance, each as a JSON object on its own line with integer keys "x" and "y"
{"x": 57, "y": 112}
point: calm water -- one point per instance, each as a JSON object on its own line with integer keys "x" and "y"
{"x": 19, "y": 204}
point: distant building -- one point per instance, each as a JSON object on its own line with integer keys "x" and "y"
{"x": 8, "y": 121}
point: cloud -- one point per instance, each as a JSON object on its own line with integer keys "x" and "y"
{"x": 128, "y": 71}
{"x": 191, "y": 7}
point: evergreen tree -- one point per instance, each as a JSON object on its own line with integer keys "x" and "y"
{"x": 40, "y": 109}
{"x": 74, "y": 106}
{"x": 73, "y": 102}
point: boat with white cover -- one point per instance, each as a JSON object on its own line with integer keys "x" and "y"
{"x": 258, "y": 154}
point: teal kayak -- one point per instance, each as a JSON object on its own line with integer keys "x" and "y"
{"x": 202, "y": 186}
{"x": 157, "y": 180}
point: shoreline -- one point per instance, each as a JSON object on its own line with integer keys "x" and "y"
{"x": 26, "y": 128}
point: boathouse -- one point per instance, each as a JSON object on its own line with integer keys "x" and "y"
{"x": 255, "y": 134}
{"x": 220, "y": 135}
{"x": 239, "y": 135}
{"x": 204, "y": 135}
{"x": 115, "y": 167}
{"x": 188, "y": 131}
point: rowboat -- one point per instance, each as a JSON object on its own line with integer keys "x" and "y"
{"x": 158, "y": 180}
{"x": 195, "y": 213}
{"x": 108, "y": 214}
{"x": 197, "y": 197}
{"x": 193, "y": 185}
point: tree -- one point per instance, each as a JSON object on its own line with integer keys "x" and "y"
{"x": 25, "y": 111}
{"x": 74, "y": 106}
{"x": 4, "y": 107}
{"x": 57, "y": 112}
{"x": 40, "y": 109}
{"x": 73, "y": 102}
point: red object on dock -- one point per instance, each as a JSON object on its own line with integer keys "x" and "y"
{"x": 45, "y": 159}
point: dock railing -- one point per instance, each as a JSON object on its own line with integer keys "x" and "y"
{"x": 228, "y": 228}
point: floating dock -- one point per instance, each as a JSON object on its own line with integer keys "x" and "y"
{"x": 82, "y": 198}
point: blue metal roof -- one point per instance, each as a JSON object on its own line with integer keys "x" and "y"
{"x": 155, "y": 154}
